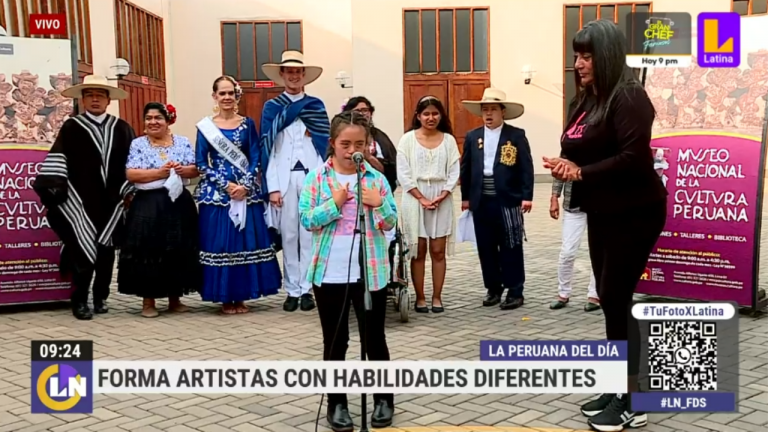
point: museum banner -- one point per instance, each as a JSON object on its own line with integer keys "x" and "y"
{"x": 709, "y": 151}
{"x": 33, "y": 72}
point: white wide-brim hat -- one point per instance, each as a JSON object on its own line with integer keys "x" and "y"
{"x": 513, "y": 110}
{"x": 291, "y": 58}
{"x": 95, "y": 82}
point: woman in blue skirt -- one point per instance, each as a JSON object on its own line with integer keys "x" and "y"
{"x": 236, "y": 250}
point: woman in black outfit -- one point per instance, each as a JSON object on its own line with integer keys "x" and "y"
{"x": 384, "y": 155}
{"x": 606, "y": 153}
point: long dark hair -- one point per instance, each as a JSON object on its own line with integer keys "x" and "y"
{"x": 445, "y": 123}
{"x": 344, "y": 119}
{"x": 357, "y": 100}
{"x": 607, "y": 44}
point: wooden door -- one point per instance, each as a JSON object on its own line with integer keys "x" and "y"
{"x": 451, "y": 92}
{"x": 461, "y": 119}
{"x": 253, "y": 100}
{"x": 415, "y": 90}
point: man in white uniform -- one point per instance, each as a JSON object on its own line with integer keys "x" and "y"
{"x": 294, "y": 140}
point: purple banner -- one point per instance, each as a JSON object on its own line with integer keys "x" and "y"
{"x": 706, "y": 251}
{"x": 29, "y": 249}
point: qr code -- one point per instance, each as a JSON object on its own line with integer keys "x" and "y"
{"x": 682, "y": 356}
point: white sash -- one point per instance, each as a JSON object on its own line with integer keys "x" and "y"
{"x": 226, "y": 148}
{"x": 229, "y": 151}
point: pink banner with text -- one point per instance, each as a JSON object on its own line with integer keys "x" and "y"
{"x": 29, "y": 249}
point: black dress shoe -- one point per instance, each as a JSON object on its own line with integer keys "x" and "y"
{"x": 82, "y": 312}
{"x": 291, "y": 304}
{"x": 491, "y": 300}
{"x": 100, "y": 307}
{"x": 307, "y": 302}
{"x": 512, "y": 303}
{"x": 382, "y": 415}
{"x": 339, "y": 419}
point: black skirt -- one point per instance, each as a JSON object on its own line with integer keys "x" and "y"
{"x": 160, "y": 255}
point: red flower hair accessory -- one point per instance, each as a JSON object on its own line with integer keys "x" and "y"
{"x": 171, "y": 110}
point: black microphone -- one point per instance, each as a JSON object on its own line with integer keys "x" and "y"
{"x": 358, "y": 158}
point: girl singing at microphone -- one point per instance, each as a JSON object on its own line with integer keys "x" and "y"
{"x": 328, "y": 208}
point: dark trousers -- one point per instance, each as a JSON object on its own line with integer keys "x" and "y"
{"x": 105, "y": 262}
{"x": 333, "y": 308}
{"x": 502, "y": 266}
{"x": 619, "y": 246}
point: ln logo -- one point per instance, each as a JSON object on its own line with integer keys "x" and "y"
{"x": 48, "y": 24}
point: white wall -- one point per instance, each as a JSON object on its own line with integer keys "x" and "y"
{"x": 522, "y": 32}
{"x": 103, "y": 39}
{"x": 195, "y": 40}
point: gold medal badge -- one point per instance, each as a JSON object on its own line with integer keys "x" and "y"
{"x": 480, "y": 143}
{"x": 508, "y": 154}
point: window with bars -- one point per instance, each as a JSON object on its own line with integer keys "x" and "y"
{"x": 750, "y": 7}
{"x": 576, "y": 17}
{"x": 247, "y": 45}
{"x": 14, "y": 18}
{"x": 139, "y": 39}
{"x": 446, "y": 40}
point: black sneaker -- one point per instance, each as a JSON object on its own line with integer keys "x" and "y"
{"x": 596, "y": 406}
{"x": 617, "y": 416}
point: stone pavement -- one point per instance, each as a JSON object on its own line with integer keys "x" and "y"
{"x": 268, "y": 333}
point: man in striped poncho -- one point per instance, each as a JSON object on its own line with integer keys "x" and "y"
{"x": 294, "y": 140}
{"x": 83, "y": 186}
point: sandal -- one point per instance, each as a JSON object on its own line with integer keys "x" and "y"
{"x": 149, "y": 310}
{"x": 177, "y": 306}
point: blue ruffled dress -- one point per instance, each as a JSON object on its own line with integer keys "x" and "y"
{"x": 237, "y": 265}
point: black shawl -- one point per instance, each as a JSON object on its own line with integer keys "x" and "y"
{"x": 82, "y": 184}
{"x": 388, "y": 157}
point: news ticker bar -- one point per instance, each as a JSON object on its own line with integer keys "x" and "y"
{"x": 77, "y": 382}
{"x": 311, "y": 377}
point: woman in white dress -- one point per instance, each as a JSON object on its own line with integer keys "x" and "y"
{"x": 428, "y": 170}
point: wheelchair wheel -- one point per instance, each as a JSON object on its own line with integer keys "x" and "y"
{"x": 404, "y": 302}
{"x": 396, "y": 299}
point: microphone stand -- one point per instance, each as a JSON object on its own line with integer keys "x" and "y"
{"x": 363, "y": 261}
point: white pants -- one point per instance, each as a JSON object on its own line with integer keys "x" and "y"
{"x": 574, "y": 225}
{"x": 297, "y": 242}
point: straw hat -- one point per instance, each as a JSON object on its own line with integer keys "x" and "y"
{"x": 495, "y": 96}
{"x": 95, "y": 82}
{"x": 291, "y": 58}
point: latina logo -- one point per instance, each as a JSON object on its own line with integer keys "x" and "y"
{"x": 61, "y": 387}
{"x": 719, "y": 39}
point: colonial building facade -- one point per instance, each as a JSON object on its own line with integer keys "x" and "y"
{"x": 393, "y": 51}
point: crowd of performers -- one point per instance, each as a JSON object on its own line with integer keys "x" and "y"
{"x": 292, "y": 185}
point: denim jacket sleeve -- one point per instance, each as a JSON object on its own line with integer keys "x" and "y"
{"x": 313, "y": 214}
{"x": 385, "y": 216}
